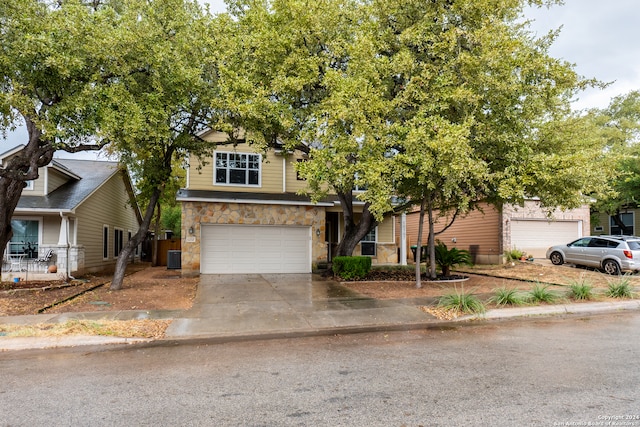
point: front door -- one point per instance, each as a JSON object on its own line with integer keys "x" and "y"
{"x": 331, "y": 233}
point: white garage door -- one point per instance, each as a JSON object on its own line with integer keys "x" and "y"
{"x": 535, "y": 237}
{"x": 255, "y": 249}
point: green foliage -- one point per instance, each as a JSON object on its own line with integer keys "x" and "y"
{"x": 411, "y": 98}
{"x": 172, "y": 219}
{"x": 541, "y": 293}
{"x": 447, "y": 258}
{"x": 462, "y": 302}
{"x": 620, "y": 288}
{"x": 503, "y": 296}
{"x": 513, "y": 254}
{"x": 619, "y": 126}
{"x": 580, "y": 290}
{"x": 351, "y": 267}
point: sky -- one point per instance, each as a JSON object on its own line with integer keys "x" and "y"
{"x": 601, "y": 38}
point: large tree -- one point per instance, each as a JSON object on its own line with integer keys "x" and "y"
{"x": 53, "y": 70}
{"x": 303, "y": 77}
{"x": 442, "y": 103}
{"x": 619, "y": 125}
{"x": 162, "y": 98}
{"x": 482, "y": 111}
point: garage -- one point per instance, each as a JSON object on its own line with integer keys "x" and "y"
{"x": 535, "y": 236}
{"x": 255, "y": 249}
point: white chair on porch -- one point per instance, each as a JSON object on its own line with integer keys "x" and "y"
{"x": 44, "y": 261}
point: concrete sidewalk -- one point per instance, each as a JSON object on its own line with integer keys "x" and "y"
{"x": 244, "y": 307}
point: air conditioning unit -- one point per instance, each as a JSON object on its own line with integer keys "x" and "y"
{"x": 174, "y": 260}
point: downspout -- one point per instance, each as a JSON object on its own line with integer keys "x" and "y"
{"x": 403, "y": 239}
{"x": 65, "y": 220}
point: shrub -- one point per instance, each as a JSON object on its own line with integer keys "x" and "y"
{"x": 541, "y": 293}
{"x": 351, "y": 267}
{"x": 504, "y": 296}
{"x": 513, "y": 254}
{"x": 463, "y": 302}
{"x": 580, "y": 290}
{"x": 447, "y": 258}
{"x": 620, "y": 288}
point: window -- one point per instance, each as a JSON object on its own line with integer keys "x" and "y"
{"x": 627, "y": 220}
{"x": 358, "y": 186}
{"x": 118, "y": 236}
{"x": 600, "y": 243}
{"x": 237, "y": 169}
{"x": 28, "y": 185}
{"x": 25, "y": 237}
{"x": 581, "y": 243}
{"x": 368, "y": 243}
{"x": 105, "y": 242}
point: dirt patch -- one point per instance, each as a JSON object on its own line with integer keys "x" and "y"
{"x": 144, "y": 288}
{"x": 485, "y": 279}
{"x": 156, "y": 288}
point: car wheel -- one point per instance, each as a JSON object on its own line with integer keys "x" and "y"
{"x": 611, "y": 267}
{"x": 556, "y": 258}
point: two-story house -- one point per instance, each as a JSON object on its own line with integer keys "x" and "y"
{"x": 77, "y": 215}
{"x": 241, "y": 214}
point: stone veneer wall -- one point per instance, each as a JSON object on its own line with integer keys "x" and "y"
{"x": 196, "y": 213}
{"x": 386, "y": 253}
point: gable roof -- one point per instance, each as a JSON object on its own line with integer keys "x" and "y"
{"x": 89, "y": 176}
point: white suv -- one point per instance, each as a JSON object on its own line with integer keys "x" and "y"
{"x": 613, "y": 254}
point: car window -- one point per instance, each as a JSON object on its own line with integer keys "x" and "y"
{"x": 612, "y": 244}
{"x": 598, "y": 243}
{"x": 634, "y": 245}
{"x": 581, "y": 243}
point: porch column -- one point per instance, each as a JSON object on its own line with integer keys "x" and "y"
{"x": 403, "y": 239}
{"x": 63, "y": 238}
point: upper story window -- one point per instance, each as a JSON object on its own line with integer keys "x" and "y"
{"x": 237, "y": 168}
{"x": 28, "y": 185}
{"x": 627, "y": 220}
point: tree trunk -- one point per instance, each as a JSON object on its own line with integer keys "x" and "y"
{"x": 156, "y": 236}
{"x": 353, "y": 232}
{"x": 22, "y": 167}
{"x": 432, "y": 240}
{"x": 418, "y": 258}
{"x": 11, "y": 191}
{"x": 127, "y": 251}
{"x": 618, "y": 221}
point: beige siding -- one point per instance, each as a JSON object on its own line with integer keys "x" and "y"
{"x": 293, "y": 184}
{"x": 107, "y": 206}
{"x": 38, "y": 185}
{"x": 271, "y": 173}
{"x": 605, "y": 223}
{"x": 50, "y": 230}
{"x": 386, "y": 231}
{"x": 55, "y": 179}
{"x": 277, "y": 173}
{"x": 478, "y": 232}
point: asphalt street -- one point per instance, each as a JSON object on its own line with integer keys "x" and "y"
{"x": 551, "y": 371}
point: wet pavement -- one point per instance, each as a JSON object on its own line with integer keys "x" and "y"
{"x": 259, "y": 306}
{"x": 249, "y": 305}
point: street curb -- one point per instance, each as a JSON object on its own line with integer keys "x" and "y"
{"x": 504, "y": 314}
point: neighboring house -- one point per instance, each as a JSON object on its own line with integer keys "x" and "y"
{"x": 82, "y": 212}
{"x": 605, "y": 224}
{"x": 489, "y": 232}
{"x": 241, "y": 214}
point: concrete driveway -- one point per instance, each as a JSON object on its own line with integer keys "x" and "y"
{"x": 259, "y": 304}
